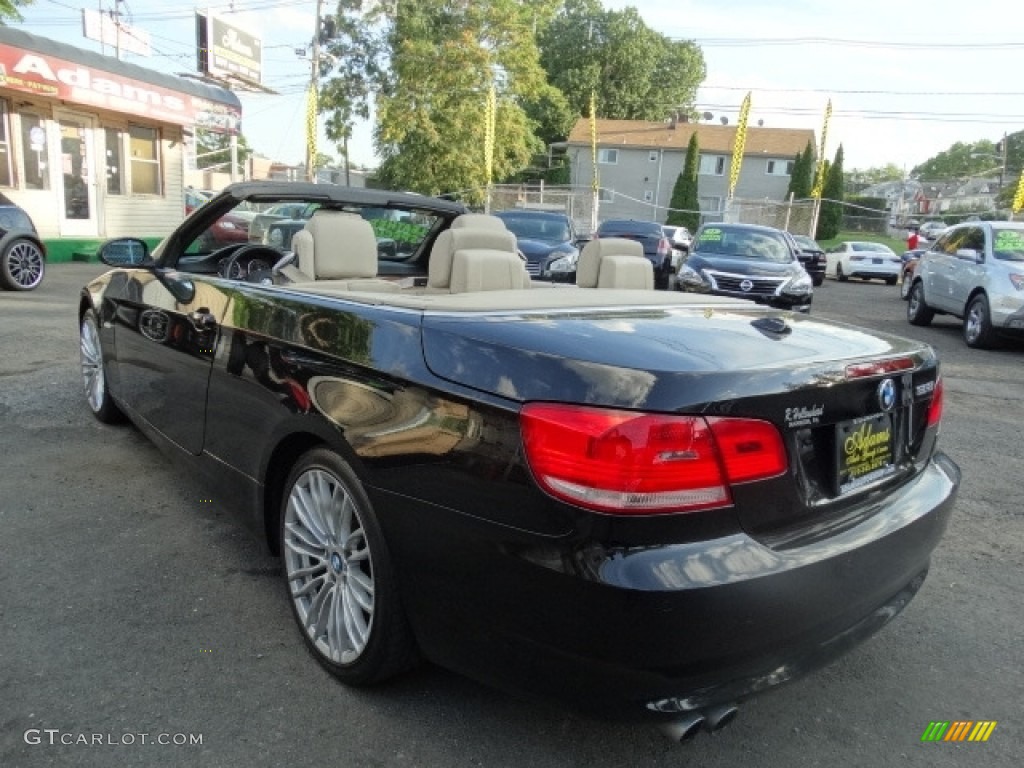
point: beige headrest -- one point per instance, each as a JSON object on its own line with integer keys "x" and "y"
{"x": 614, "y": 262}
{"x": 439, "y": 271}
{"x": 336, "y": 245}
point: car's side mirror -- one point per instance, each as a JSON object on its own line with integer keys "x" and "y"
{"x": 968, "y": 253}
{"x": 125, "y": 252}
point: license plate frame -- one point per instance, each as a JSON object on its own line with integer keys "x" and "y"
{"x": 865, "y": 451}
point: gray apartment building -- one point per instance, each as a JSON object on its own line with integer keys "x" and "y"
{"x": 638, "y": 163}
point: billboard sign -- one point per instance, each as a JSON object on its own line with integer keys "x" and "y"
{"x": 115, "y": 33}
{"x": 227, "y": 51}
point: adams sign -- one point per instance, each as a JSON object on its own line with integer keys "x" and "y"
{"x": 42, "y": 75}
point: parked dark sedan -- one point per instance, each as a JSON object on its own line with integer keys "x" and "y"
{"x": 747, "y": 261}
{"x": 548, "y": 241}
{"x": 22, "y": 253}
{"x": 657, "y": 247}
{"x": 644, "y": 503}
{"x": 812, "y": 256}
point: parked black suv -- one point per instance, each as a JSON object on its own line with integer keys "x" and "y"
{"x": 747, "y": 261}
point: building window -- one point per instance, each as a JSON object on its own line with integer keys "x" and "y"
{"x": 779, "y": 168}
{"x": 144, "y": 144}
{"x": 648, "y": 196}
{"x": 608, "y": 156}
{"x": 33, "y": 150}
{"x": 114, "y": 161}
{"x": 652, "y": 156}
{"x": 6, "y": 172}
{"x": 710, "y": 204}
{"x": 606, "y": 195}
{"x": 712, "y": 165}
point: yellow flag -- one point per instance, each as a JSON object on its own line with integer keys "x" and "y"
{"x": 490, "y": 121}
{"x": 739, "y": 145}
{"x": 819, "y": 183}
{"x": 311, "y": 110}
{"x": 1018, "y": 199}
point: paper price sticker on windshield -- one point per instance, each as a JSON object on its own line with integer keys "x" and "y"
{"x": 864, "y": 451}
{"x": 1009, "y": 240}
{"x": 712, "y": 235}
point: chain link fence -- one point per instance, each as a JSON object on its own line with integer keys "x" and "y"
{"x": 575, "y": 202}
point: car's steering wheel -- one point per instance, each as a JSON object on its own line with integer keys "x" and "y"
{"x": 251, "y": 263}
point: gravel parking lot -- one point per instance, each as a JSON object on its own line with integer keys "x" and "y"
{"x": 133, "y": 608}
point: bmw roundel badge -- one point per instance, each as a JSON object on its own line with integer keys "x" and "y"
{"x": 887, "y": 395}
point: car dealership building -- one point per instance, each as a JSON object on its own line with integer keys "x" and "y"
{"x": 93, "y": 147}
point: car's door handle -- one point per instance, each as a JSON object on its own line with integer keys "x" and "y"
{"x": 202, "y": 319}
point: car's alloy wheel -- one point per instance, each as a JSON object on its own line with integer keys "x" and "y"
{"x": 978, "y": 331}
{"x": 336, "y": 569}
{"x": 22, "y": 265}
{"x": 94, "y": 376}
{"x": 918, "y": 313}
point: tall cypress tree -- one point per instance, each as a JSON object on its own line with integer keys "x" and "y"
{"x": 685, "y": 203}
{"x": 802, "y": 179}
{"x": 830, "y": 220}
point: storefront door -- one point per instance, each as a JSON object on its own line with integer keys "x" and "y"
{"x": 76, "y": 176}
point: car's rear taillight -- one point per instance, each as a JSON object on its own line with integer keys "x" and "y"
{"x": 622, "y": 462}
{"x": 935, "y": 407}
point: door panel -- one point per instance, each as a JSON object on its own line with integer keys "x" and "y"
{"x": 76, "y": 176}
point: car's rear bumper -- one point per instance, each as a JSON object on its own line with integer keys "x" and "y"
{"x": 646, "y": 631}
{"x": 1007, "y": 313}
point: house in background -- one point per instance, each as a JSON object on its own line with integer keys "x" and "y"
{"x": 638, "y": 163}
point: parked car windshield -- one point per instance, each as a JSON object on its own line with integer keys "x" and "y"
{"x": 806, "y": 243}
{"x": 629, "y": 227}
{"x": 545, "y": 228}
{"x": 870, "y": 247}
{"x": 763, "y": 245}
{"x": 1008, "y": 244}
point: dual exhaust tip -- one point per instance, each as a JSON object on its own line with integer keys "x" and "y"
{"x": 687, "y": 726}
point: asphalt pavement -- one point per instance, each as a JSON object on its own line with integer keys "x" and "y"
{"x": 133, "y": 612}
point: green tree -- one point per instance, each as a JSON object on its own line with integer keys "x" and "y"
{"x": 636, "y": 72}
{"x": 444, "y": 58}
{"x": 801, "y": 181}
{"x": 830, "y": 220}
{"x": 9, "y": 9}
{"x": 858, "y": 179}
{"x": 685, "y": 203}
{"x": 961, "y": 159}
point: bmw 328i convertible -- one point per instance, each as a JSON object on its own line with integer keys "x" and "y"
{"x": 646, "y": 504}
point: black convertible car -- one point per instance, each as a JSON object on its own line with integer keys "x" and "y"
{"x": 647, "y": 504}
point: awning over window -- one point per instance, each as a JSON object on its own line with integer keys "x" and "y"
{"x": 43, "y": 67}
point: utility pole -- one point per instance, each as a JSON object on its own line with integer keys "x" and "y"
{"x": 1002, "y": 169}
{"x": 314, "y": 77}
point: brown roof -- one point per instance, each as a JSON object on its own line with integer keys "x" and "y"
{"x": 780, "y": 142}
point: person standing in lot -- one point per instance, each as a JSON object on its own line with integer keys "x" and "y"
{"x": 912, "y": 240}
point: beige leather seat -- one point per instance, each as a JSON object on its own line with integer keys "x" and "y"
{"x": 614, "y": 262}
{"x": 339, "y": 247}
{"x": 477, "y": 253}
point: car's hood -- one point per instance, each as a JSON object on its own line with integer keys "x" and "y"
{"x": 661, "y": 358}
{"x": 538, "y": 249}
{"x": 738, "y": 265}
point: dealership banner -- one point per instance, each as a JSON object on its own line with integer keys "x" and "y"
{"x": 41, "y": 75}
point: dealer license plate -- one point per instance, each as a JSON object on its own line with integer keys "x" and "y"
{"x": 863, "y": 451}
{"x": 877, "y": 261}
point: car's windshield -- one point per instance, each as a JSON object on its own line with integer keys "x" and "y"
{"x": 546, "y": 228}
{"x": 762, "y": 245}
{"x": 806, "y": 243}
{"x": 1008, "y": 244}
{"x": 874, "y": 247}
{"x": 629, "y": 227}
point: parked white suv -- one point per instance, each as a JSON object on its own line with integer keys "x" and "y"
{"x": 974, "y": 271}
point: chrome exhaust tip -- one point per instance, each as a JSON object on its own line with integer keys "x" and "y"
{"x": 683, "y": 728}
{"x": 716, "y": 718}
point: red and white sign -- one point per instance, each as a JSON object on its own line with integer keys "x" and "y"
{"x": 41, "y": 75}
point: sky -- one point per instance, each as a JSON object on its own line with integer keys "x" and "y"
{"x": 906, "y": 78}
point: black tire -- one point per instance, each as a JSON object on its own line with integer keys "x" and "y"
{"x": 22, "y": 265}
{"x": 94, "y": 372}
{"x": 918, "y": 312}
{"x": 891, "y": 280}
{"x": 977, "y": 328}
{"x": 818, "y": 280}
{"x": 357, "y": 585}
{"x": 840, "y": 275}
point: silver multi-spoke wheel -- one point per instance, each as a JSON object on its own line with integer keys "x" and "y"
{"x": 328, "y": 565}
{"x": 22, "y": 265}
{"x": 92, "y": 364}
